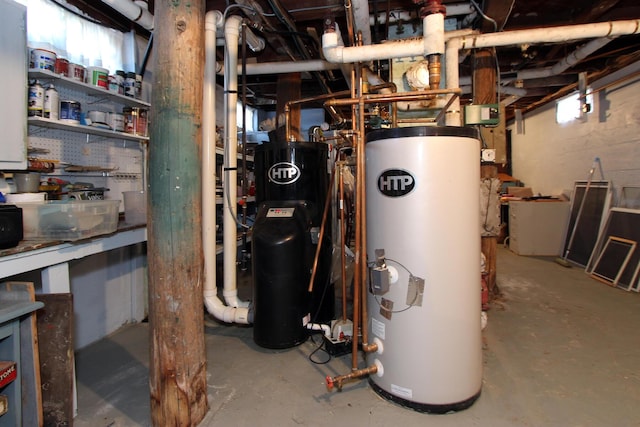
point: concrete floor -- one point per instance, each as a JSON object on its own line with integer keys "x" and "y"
{"x": 560, "y": 349}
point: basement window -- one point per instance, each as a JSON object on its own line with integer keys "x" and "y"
{"x": 52, "y": 27}
{"x": 569, "y": 108}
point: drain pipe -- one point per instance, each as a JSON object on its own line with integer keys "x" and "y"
{"x": 227, "y": 313}
{"x": 259, "y": 68}
{"x": 136, "y": 13}
{"x": 230, "y": 165}
{"x": 567, "y": 62}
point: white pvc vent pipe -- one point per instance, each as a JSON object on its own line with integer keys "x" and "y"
{"x": 136, "y": 13}
{"x": 234, "y": 311}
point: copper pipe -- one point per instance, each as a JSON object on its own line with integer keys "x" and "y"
{"x": 358, "y": 235}
{"x": 343, "y": 263}
{"x": 403, "y": 96}
{"x": 335, "y": 115}
{"x": 340, "y": 379}
{"x": 327, "y": 203}
{"x": 363, "y": 226}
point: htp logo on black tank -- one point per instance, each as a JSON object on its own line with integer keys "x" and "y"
{"x": 284, "y": 173}
{"x": 396, "y": 182}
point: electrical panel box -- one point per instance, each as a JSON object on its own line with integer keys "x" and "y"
{"x": 484, "y": 114}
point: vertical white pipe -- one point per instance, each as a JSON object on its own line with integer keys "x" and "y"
{"x": 230, "y": 173}
{"x": 212, "y": 302}
{"x": 452, "y": 80}
{"x": 433, "y": 30}
{"x": 209, "y": 157}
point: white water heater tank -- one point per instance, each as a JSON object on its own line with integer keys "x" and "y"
{"x": 423, "y": 246}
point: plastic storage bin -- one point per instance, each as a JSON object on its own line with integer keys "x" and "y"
{"x": 69, "y": 220}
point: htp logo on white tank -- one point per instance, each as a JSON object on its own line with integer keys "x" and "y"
{"x": 396, "y": 182}
{"x": 284, "y": 173}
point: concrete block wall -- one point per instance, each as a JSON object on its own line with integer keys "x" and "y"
{"x": 549, "y": 157}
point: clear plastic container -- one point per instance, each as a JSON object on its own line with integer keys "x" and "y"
{"x": 69, "y": 219}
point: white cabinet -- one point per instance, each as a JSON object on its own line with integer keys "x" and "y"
{"x": 13, "y": 85}
{"x": 537, "y": 227}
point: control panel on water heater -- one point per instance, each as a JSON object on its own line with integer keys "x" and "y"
{"x": 280, "y": 212}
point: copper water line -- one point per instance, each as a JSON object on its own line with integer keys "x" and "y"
{"x": 358, "y": 231}
{"x": 404, "y": 96}
{"x": 363, "y": 227}
{"x": 327, "y": 203}
{"x": 343, "y": 264}
{"x": 330, "y": 109}
{"x": 340, "y": 379}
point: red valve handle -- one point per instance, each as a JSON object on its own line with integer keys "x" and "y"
{"x": 329, "y": 382}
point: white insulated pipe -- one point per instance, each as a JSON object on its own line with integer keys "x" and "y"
{"x": 361, "y": 19}
{"x": 136, "y": 13}
{"x": 567, "y": 62}
{"x": 452, "y": 117}
{"x": 433, "y": 30}
{"x": 333, "y": 52}
{"x": 284, "y": 67}
{"x": 234, "y": 312}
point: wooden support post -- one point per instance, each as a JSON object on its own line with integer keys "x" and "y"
{"x": 484, "y": 92}
{"x": 177, "y": 376}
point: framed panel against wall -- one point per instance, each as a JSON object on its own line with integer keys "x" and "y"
{"x": 589, "y": 223}
{"x": 613, "y": 259}
{"x": 623, "y": 223}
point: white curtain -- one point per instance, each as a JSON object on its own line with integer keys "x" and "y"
{"x": 52, "y": 27}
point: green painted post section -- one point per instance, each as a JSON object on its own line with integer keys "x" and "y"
{"x": 178, "y": 359}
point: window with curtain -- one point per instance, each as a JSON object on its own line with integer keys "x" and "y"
{"x": 52, "y": 27}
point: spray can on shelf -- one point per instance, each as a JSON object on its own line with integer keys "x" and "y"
{"x": 36, "y": 99}
{"x": 51, "y": 103}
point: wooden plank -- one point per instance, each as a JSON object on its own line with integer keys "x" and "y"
{"x": 55, "y": 336}
{"x": 29, "y": 354}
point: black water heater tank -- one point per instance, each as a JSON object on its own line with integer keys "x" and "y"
{"x": 291, "y": 189}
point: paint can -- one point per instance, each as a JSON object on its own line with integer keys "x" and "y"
{"x": 51, "y": 103}
{"x": 98, "y": 117}
{"x": 138, "y": 87}
{"x": 130, "y": 85}
{"x": 42, "y": 59}
{"x": 62, "y": 66}
{"x": 135, "y": 120}
{"x": 120, "y": 77}
{"x": 35, "y": 104}
{"x": 70, "y": 111}
{"x": 98, "y": 76}
{"x": 76, "y": 72}
{"x": 116, "y": 121}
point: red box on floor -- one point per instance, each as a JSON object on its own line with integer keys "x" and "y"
{"x": 8, "y": 372}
